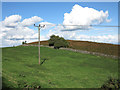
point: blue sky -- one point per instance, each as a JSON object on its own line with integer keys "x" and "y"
{"x": 53, "y": 12}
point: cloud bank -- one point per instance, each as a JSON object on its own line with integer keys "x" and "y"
{"x": 78, "y": 35}
{"x": 14, "y": 31}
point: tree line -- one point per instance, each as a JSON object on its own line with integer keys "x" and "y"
{"x": 55, "y": 41}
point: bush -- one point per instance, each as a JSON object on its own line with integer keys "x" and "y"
{"x": 111, "y": 83}
{"x": 57, "y": 42}
{"x": 24, "y": 42}
{"x": 52, "y": 40}
{"x": 57, "y": 45}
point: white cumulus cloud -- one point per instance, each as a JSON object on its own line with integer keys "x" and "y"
{"x": 31, "y": 21}
{"x": 84, "y": 16}
{"x": 12, "y": 21}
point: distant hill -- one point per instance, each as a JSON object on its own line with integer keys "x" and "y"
{"x": 109, "y": 49}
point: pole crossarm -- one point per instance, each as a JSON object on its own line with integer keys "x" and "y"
{"x": 40, "y": 26}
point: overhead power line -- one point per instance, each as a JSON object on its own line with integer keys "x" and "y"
{"x": 81, "y": 25}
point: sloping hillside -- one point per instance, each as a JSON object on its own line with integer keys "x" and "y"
{"x": 58, "y": 69}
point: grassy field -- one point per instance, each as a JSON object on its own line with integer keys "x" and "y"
{"x": 62, "y": 69}
{"x": 104, "y": 48}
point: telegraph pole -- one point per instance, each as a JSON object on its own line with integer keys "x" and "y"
{"x": 39, "y": 27}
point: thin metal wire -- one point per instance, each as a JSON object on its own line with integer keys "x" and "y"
{"x": 81, "y": 25}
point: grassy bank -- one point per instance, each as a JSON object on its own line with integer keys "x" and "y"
{"x": 61, "y": 68}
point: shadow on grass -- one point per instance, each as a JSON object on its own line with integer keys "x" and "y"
{"x": 43, "y": 61}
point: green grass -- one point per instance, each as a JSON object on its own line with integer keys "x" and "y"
{"x": 63, "y": 69}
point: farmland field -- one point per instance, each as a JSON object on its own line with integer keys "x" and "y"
{"x": 104, "y": 48}
{"x": 59, "y": 68}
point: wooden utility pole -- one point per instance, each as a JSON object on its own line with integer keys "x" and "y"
{"x": 39, "y": 27}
